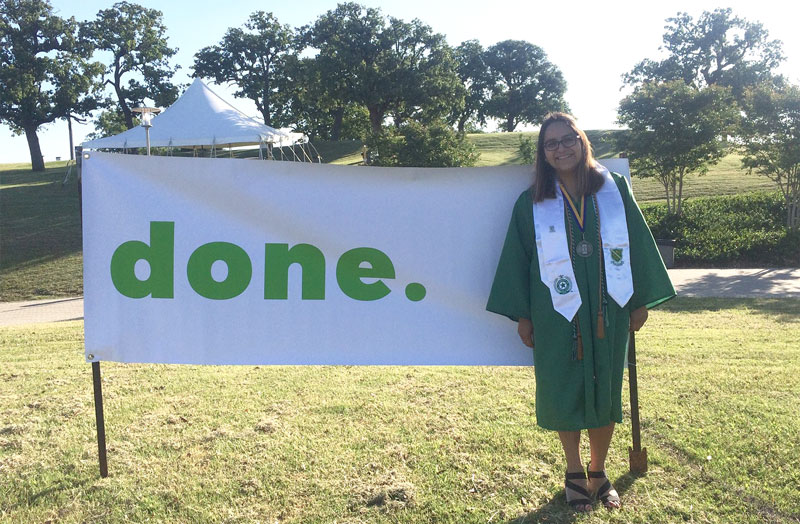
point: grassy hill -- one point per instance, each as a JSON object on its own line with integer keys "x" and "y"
{"x": 40, "y": 237}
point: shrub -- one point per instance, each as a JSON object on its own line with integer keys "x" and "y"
{"x": 527, "y": 150}
{"x": 415, "y": 145}
{"x": 736, "y": 231}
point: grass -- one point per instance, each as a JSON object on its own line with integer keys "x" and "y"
{"x": 718, "y": 390}
{"x": 40, "y": 234}
{"x": 40, "y": 237}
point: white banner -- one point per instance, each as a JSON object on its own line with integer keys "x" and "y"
{"x": 218, "y": 261}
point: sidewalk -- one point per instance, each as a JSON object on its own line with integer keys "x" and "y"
{"x": 725, "y": 283}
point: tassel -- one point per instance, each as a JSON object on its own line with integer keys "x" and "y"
{"x": 601, "y": 325}
{"x": 580, "y": 347}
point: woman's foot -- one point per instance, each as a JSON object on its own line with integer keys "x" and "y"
{"x": 577, "y": 495}
{"x": 602, "y": 489}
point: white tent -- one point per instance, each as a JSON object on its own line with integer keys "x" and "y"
{"x": 200, "y": 118}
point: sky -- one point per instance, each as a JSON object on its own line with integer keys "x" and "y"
{"x": 593, "y": 43}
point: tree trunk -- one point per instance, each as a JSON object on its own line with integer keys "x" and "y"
{"x": 375, "y": 119}
{"x": 127, "y": 113}
{"x": 510, "y": 124}
{"x": 666, "y": 193}
{"x": 37, "y": 162}
{"x": 461, "y": 123}
{"x": 338, "y": 116}
{"x": 680, "y": 192}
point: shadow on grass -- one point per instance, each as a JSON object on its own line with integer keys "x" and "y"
{"x": 41, "y": 218}
{"x": 557, "y": 510}
{"x": 61, "y": 485}
{"x": 771, "y": 282}
{"x": 779, "y": 309}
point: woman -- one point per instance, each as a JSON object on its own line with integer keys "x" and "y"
{"x": 575, "y": 298}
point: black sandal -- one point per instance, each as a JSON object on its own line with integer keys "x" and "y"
{"x": 604, "y": 492}
{"x": 569, "y": 485}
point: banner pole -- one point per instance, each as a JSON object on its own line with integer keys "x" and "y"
{"x": 636, "y": 455}
{"x": 101, "y": 425}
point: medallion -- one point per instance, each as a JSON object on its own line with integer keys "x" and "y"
{"x": 584, "y": 248}
{"x": 562, "y": 285}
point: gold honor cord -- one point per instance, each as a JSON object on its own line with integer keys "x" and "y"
{"x": 577, "y": 214}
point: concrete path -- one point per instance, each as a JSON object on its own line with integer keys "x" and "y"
{"x": 727, "y": 283}
{"x": 36, "y": 311}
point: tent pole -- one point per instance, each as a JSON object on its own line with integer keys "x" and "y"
{"x": 319, "y": 157}
{"x": 303, "y": 149}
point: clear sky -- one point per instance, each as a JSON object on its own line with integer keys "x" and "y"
{"x": 593, "y": 43}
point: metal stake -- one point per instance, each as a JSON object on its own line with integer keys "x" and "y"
{"x": 636, "y": 455}
{"x": 101, "y": 426}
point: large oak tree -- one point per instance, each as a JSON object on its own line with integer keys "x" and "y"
{"x": 45, "y": 70}
{"x": 526, "y": 85}
{"x": 390, "y": 67}
{"x": 139, "y": 69}
{"x": 256, "y": 60}
{"x": 717, "y": 48}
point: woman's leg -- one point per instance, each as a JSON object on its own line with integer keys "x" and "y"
{"x": 599, "y": 442}
{"x": 570, "y": 441}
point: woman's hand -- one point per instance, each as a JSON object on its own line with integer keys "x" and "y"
{"x": 525, "y": 331}
{"x": 638, "y": 318}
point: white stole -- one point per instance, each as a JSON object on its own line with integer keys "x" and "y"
{"x": 552, "y": 248}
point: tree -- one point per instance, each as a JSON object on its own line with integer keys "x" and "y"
{"x": 716, "y": 49}
{"x": 318, "y": 108}
{"x": 109, "y": 122}
{"x": 772, "y": 144}
{"x": 136, "y": 38}
{"x": 45, "y": 71}
{"x": 422, "y": 73}
{"x": 254, "y": 59}
{"x": 526, "y": 85}
{"x": 474, "y": 75}
{"x": 676, "y": 130}
{"x": 417, "y": 145}
{"x": 393, "y": 67}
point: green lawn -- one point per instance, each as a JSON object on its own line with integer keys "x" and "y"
{"x": 719, "y": 382}
{"x": 40, "y": 238}
{"x": 40, "y": 234}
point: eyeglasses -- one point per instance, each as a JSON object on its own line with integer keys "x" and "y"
{"x": 567, "y": 141}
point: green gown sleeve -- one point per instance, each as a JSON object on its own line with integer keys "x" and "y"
{"x": 651, "y": 283}
{"x": 510, "y": 295}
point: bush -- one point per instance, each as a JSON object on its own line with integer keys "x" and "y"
{"x": 733, "y": 231}
{"x": 415, "y": 145}
{"x": 527, "y": 150}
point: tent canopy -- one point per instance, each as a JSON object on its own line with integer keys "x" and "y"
{"x": 199, "y": 118}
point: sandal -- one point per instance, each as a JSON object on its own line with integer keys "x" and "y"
{"x": 575, "y": 503}
{"x": 604, "y": 492}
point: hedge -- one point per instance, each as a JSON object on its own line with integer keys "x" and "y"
{"x": 728, "y": 231}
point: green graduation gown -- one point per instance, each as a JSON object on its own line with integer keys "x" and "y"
{"x": 574, "y": 394}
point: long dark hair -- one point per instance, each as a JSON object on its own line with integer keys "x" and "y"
{"x": 589, "y": 177}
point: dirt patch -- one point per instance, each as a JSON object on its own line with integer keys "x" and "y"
{"x": 387, "y": 492}
{"x": 13, "y": 429}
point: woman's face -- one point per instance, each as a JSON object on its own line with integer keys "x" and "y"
{"x": 563, "y": 159}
